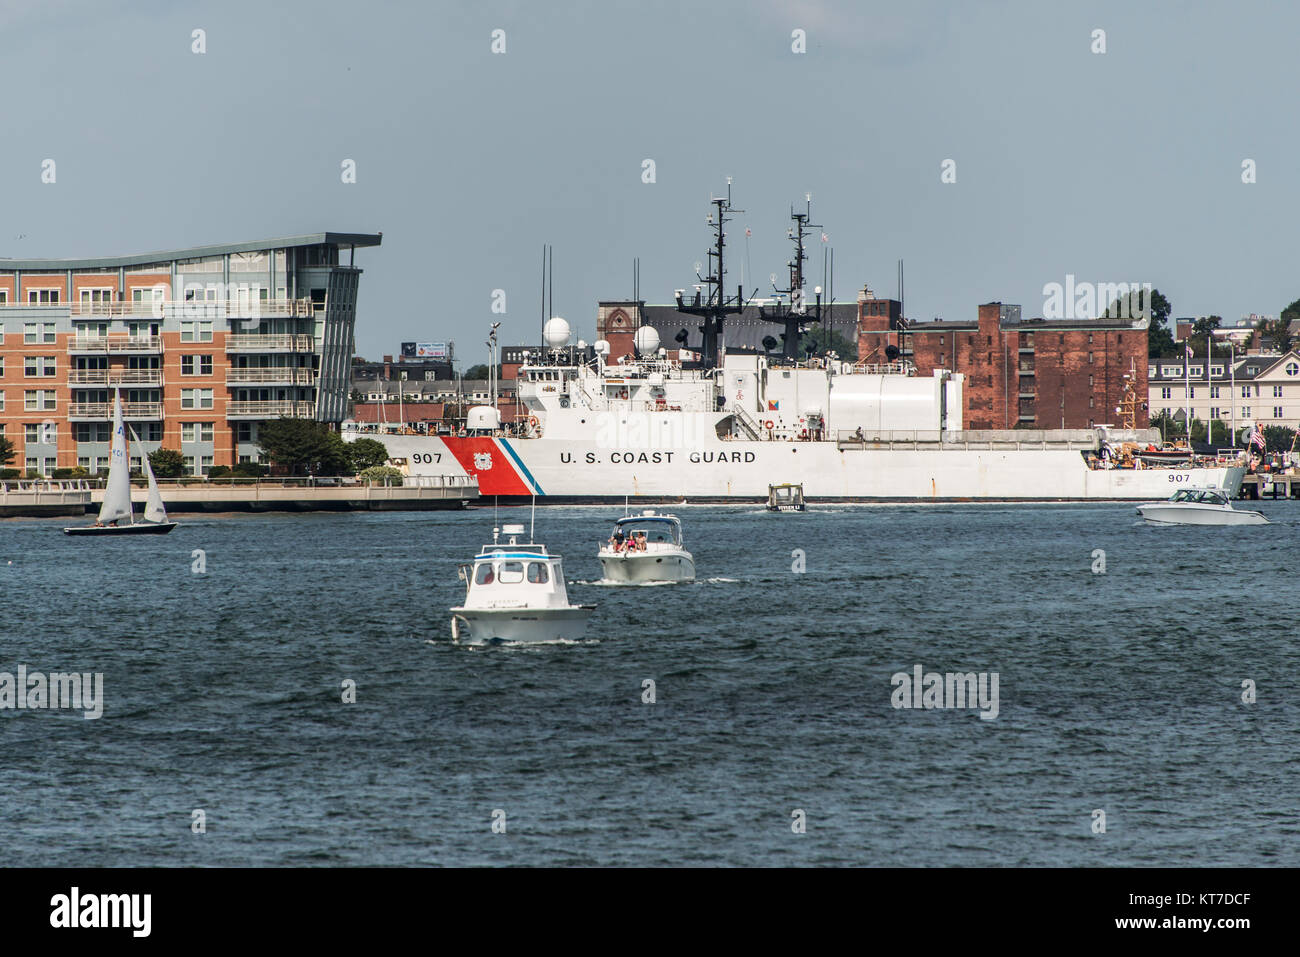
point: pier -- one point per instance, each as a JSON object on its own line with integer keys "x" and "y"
{"x": 416, "y": 493}
{"x": 37, "y": 498}
{"x": 1270, "y": 485}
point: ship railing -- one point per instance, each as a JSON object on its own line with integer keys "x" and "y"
{"x": 897, "y": 367}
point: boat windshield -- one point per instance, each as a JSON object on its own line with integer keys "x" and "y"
{"x": 655, "y": 529}
{"x": 1199, "y": 496}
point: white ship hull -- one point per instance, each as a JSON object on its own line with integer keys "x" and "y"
{"x": 669, "y": 566}
{"x": 480, "y": 626}
{"x": 564, "y": 470}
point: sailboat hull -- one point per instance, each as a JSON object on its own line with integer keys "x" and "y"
{"x": 141, "y": 528}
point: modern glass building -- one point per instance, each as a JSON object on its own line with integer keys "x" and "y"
{"x": 204, "y": 344}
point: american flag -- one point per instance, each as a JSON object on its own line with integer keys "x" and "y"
{"x": 747, "y": 232}
{"x": 1257, "y": 438}
{"x": 825, "y": 238}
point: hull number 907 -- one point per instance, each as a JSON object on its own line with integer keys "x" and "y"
{"x": 426, "y": 458}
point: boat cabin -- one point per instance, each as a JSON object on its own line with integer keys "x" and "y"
{"x": 514, "y": 575}
{"x": 785, "y": 498}
{"x": 660, "y": 531}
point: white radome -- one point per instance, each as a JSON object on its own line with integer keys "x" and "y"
{"x": 556, "y": 332}
{"x": 647, "y": 340}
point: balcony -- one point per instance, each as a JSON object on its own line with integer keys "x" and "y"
{"x": 107, "y": 378}
{"x": 121, "y": 344}
{"x": 244, "y": 307}
{"x": 271, "y": 375}
{"x": 103, "y": 411}
{"x": 270, "y": 410}
{"x": 256, "y": 343}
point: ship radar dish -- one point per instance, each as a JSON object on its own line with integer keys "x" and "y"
{"x": 601, "y": 347}
{"x": 556, "y": 332}
{"x": 646, "y": 339}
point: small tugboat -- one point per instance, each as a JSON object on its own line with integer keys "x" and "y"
{"x": 1198, "y": 507}
{"x": 787, "y": 497}
{"x": 647, "y": 548}
{"x": 516, "y": 592}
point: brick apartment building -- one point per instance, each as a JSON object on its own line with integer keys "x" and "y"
{"x": 204, "y": 344}
{"x": 1035, "y": 373}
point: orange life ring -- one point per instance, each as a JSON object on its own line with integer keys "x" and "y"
{"x": 623, "y": 394}
{"x": 534, "y": 423}
{"x": 768, "y": 424}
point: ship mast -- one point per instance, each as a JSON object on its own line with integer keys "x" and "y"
{"x": 795, "y": 317}
{"x": 716, "y": 306}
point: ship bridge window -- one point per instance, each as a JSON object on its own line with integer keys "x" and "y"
{"x": 511, "y": 573}
{"x": 483, "y": 574}
{"x": 537, "y": 573}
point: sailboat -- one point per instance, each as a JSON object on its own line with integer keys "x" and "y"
{"x": 117, "y": 491}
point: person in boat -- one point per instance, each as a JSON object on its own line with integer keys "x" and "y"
{"x": 616, "y": 541}
{"x": 641, "y": 544}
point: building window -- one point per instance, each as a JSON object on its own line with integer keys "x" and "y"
{"x": 43, "y": 297}
{"x": 1191, "y": 392}
{"x": 92, "y": 432}
{"x": 1245, "y": 392}
{"x": 1291, "y": 367}
{"x": 1091, "y": 402}
{"x": 196, "y": 330}
{"x": 196, "y": 398}
{"x": 205, "y": 464}
{"x": 942, "y": 363}
{"x": 1216, "y": 371}
{"x": 1089, "y": 381}
{"x": 196, "y": 365}
{"x": 38, "y": 332}
{"x": 1195, "y": 372}
{"x": 941, "y": 342}
{"x": 1277, "y": 412}
{"x": 1214, "y": 392}
{"x": 1166, "y": 392}
{"x": 1277, "y": 392}
{"x": 1171, "y": 370}
{"x": 196, "y": 432}
{"x": 39, "y": 366}
{"x": 1252, "y": 370}
{"x": 1214, "y": 412}
{"x": 187, "y": 461}
{"x": 39, "y": 400}
{"x": 1245, "y": 412}
{"x": 1090, "y": 355}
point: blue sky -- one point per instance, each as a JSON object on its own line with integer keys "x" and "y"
{"x": 1122, "y": 166}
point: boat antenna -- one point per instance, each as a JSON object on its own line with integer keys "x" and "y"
{"x": 716, "y": 306}
{"x": 796, "y": 316}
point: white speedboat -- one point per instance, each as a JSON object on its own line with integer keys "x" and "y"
{"x": 516, "y": 592}
{"x": 647, "y": 548}
{"x": 787, "y": 497}
{"x": 1198, "y": 507}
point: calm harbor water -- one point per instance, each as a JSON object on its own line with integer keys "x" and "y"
{"x": 1119, "y": 692}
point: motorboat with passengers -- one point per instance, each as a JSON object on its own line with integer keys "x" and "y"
{"x": 647, "y": 548}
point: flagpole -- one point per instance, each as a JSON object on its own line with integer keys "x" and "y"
{"x": 1187, "y": 387}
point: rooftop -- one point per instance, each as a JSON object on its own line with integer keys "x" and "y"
{"x": 198, "y": 252}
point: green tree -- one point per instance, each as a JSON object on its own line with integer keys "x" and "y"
{"x": 304, "y": 446}
{"x": 167, "y": 463}
{"x": 365, "y": 453}
{"x": 1202, "y": 333}
{"x": 476, "y": 372}
{"x": 1278, "y": 438}
{"x": 820, "y": 339}
{"x": 1278, "y": 331}
{"x": 1160, "y": 338}
{"x": 7, "y": 451}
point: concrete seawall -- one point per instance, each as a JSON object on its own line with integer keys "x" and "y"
{"x": 417, "y": 493}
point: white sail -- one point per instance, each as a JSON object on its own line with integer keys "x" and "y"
{"x": 117, "y": 492}
{"x": 154, "y": 510}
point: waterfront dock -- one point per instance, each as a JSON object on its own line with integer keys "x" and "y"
{"x": 1270, "y": 485}
{"x": 40, "y": 498}
{"x": 416, "y": 493}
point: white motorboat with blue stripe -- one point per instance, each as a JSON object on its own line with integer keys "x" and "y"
{"x": 516, "y": 592}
